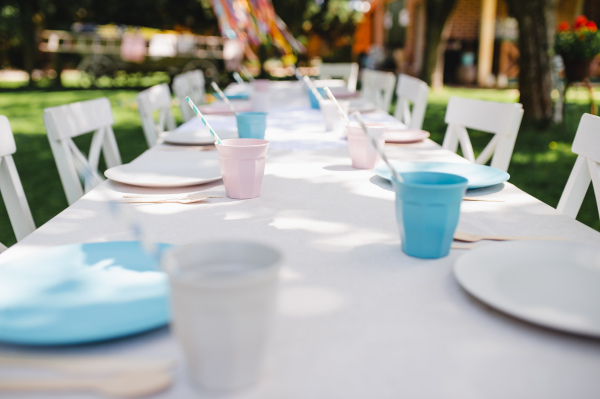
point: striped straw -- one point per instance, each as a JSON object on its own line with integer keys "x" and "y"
{"x": 223, "y": 97}
{"x": 239, "y": 79}
{"x": 199, "y": 114}
{"x": 339, "y": 107}
{"x": 312, "y": 88}
{"x": 360, "y": 120}
{"x": 297, "y": 74}
{"x": 246, "y": 73}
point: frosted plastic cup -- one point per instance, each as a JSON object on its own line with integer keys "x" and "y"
{"x": 427, "y": 211}
{"x": 223, "y": 296}
{"x": 242, "y": 164}
{"x": 314, "y": 103}
{"x": 260, "y": 101}
{"x": 251, "y": 125}
{"x": 331, "y": 114}
{"x": 362, "y": 152}
{"x": 261, "y": 84}
{"x": 260, "y": 95}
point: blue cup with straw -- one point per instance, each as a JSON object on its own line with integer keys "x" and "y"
{"x": 251, "y": 125}
{"x": 427, "y": 206}
{"x": 427, "y": 211}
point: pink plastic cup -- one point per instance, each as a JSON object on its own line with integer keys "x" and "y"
{"x": 261, "y": 84}
{"x": 242, "y": 164}
{"x": 362, "y": 152}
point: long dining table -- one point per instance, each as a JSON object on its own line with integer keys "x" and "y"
{"x": 356, "y": 317}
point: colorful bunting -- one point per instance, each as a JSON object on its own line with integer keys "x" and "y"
{"x": 255, "y": 22}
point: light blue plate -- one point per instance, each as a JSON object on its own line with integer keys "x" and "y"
{"x": 478, "y": 175}
{"x": 81, "y": 293}
{"x": 239, "y": 96}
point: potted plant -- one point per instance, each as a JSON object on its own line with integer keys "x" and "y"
{"x": 577, "y": 45}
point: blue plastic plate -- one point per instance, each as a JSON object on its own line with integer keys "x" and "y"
{"x": 478, "y": 175}
{"x": 238, "y": 96}
{"x": 81, "y": 293}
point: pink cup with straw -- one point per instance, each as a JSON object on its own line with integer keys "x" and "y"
{"x": 242, "y": 164}
{"x": 362, "y": 152}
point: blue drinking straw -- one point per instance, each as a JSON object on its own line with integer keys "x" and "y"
{"x": 203, "y": 119}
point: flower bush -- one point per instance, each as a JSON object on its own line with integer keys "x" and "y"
{"x": 581, "y": 42}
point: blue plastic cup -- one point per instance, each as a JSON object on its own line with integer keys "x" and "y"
{"x": 314, "y": 103}
{"x": 251, "y": 125}
{"x": 427, "y": 211}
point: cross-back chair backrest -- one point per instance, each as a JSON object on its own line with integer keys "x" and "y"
{"x": 410, "y": 90}
{"x": 587, "y": 167}
{"x": 10, "y": 185}
{"x": 340, "y": 70}
{"x": 79, "y": 173}
{"x": 378, "y": 87}
{"x": 156, "y": 99}
{"x": 500, "y": 119}
{"x": 189, "y": 84}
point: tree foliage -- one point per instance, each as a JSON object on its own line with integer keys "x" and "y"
{"x": 21, "y": 19}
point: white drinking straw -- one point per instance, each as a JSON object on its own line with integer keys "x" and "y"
{"x": 312, "y": 88}
{"x": 199, "y": 114}
{"x": 339, "y": 107}
{"x": 223, "y": 97}
{"x": 357, "y": 116}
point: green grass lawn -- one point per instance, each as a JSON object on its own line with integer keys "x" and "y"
{"x": 541, "y": 162}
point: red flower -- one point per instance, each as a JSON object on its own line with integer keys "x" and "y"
{"x": 563, "y": 26}
{"x": 591, "y": 25}
{"x": 580, "y": 21}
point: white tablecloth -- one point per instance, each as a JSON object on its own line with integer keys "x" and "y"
{"x": 357, "y": 317}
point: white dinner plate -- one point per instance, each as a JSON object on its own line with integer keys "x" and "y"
{"x": 361, "y": 105}
{"x": 343, "y": 93}
{"x": 189, "y": 137}
{"x": 222, "y": 108}
{"x": 404, "y": 135}
{"x": 554, "y": 284}
{"x": 172, "y": 169}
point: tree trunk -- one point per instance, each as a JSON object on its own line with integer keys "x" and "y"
{"x": 436, "y": 15}
{"x": 536, "y": 41}
{"x": 28, "y": 9}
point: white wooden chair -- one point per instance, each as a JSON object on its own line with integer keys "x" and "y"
{"x": 340, "y": 70}
{"x": 155, "y": 100}
{"x": 501, "y": 119}
{"x": 189, "y": 84}
{"x": 378, "y": 88}
{"x": 587, "y": 167}
{"x": 409, "y": 91}
{"x": 10, "y": 185}
{"x": 79, "y": 173}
